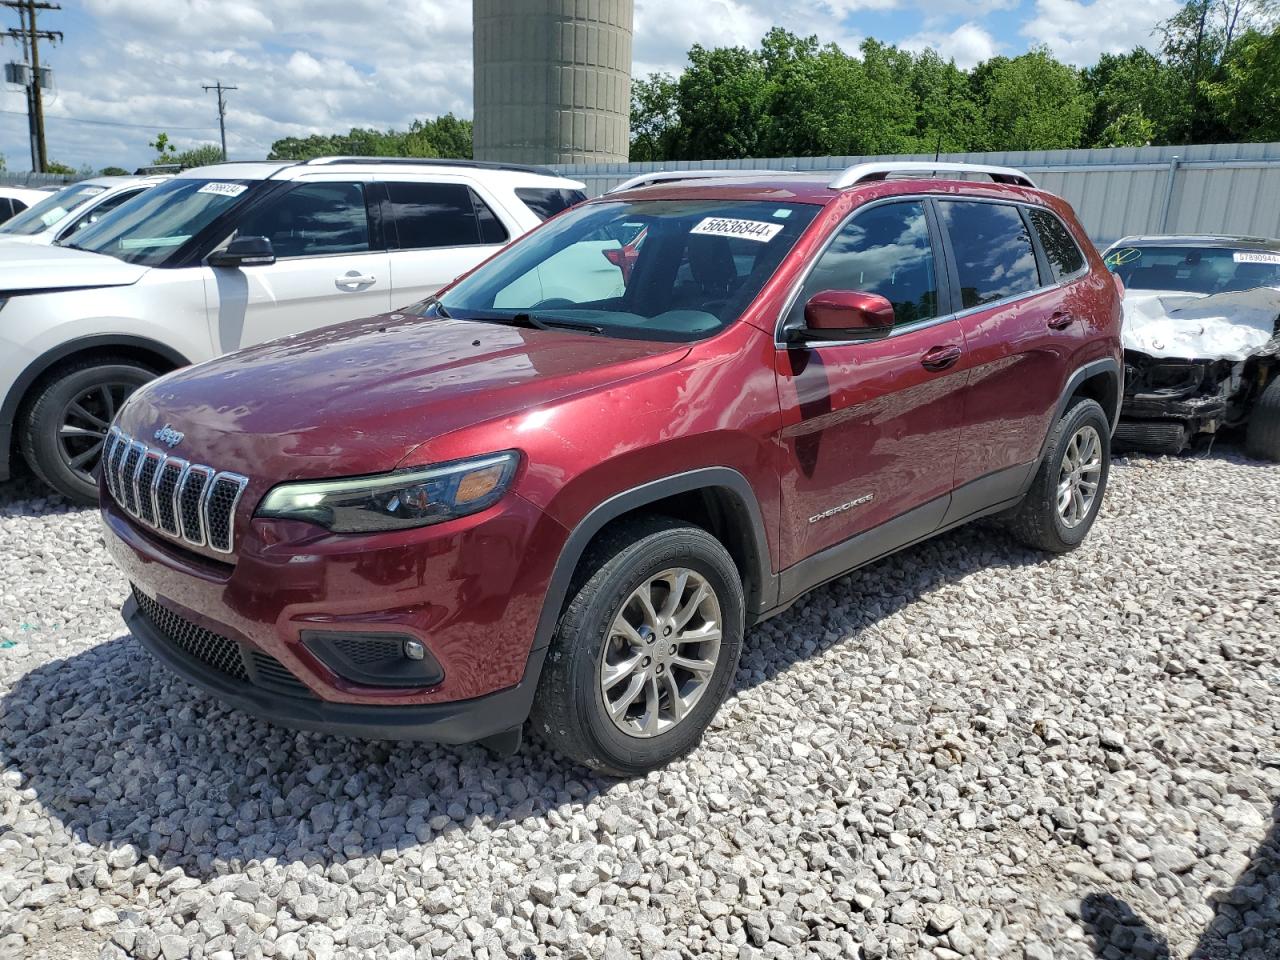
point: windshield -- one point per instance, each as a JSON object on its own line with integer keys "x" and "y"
{"x": 1194, "y": 269}
{"x": 650, "y": 270}
{"x": 153, "y": 224}
{"x": 51, "y": 209}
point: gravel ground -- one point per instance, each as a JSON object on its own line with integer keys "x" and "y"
{"x": 967, "y": 750}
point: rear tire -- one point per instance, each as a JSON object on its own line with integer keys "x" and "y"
{"x": 65, "y": 423}
{"x": 606, "y": 644}
{"x": 1078, "y": 454}
{"x": 1262, "y": 435}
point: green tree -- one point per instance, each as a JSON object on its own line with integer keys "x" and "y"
{"x": 655, "y": 117}
{"x": 113, "y": 172}
{"x": 1132, "y": 85}
{"x": 1030, "y": 102}
{"x": 53, "y": 166}
{"x": 947, "y": 118}
{"x": 164, "y": 149}
{"x": 446, "y": 136}
{"x": 1246, "y": 96}
{"x": 722, "y": 98}
{"x": 200, "y": 156}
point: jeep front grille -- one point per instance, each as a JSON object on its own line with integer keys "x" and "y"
{"x": 186, "y": 501}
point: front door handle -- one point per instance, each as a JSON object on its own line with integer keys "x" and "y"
{"x": 354, "y": 281}
{"x": 1060, "y": 320}
{"x": 939, "y": 358}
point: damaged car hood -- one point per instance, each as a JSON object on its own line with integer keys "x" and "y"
{"x": 1220, "y": 326}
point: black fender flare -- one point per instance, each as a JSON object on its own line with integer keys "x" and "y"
{"x": 47, "y": 360}
{"x": 1107, "y": 365}
{"x": 763, "y": 593}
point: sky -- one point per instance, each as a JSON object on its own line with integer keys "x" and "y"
{"x": 128, "y": 69}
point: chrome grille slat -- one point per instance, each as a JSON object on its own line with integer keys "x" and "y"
{"x": 190, "y": 502}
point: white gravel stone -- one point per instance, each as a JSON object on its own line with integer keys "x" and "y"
{"x": 968, "y": 749}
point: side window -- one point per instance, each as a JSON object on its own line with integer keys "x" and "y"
{"x": 884, "y": 250}
{"x": 441, "y": 215}
{"x": 994, "y": 257}
{"x": 546, "y": 202}
{"x": 1064, "y": 256}
{"x": 101, "y": 210}
{"x": 312, "y": 219}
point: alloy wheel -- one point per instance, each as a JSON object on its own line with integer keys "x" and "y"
{"x": 661, "y": 652}
{"x": 83, "y": 425}
{"x": 1079, "y": 475}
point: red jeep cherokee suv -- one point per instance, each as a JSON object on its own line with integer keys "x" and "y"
{"x": 566, "y": 485}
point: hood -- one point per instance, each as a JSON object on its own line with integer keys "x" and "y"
{"x": 1188, "y": 326}
{"x": 359, "y": 397}
{"x": 42, "y": 267}
{"x": 39, "y": 238}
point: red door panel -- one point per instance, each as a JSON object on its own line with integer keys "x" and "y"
{"x": 868, "y": 430}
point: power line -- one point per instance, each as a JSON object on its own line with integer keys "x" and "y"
{"x": 222, "y": 111}
{"x": 111, "y": 123}
{"x": 30, "y": 38}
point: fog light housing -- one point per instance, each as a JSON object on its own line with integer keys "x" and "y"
{"x": 375, "y": 659}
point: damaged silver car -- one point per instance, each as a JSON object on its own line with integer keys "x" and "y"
{"x": 1201, "y": 341}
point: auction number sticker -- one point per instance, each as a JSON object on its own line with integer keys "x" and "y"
{"x": 1249, "y": 256}
{"x": 223, "y": 189}
{"x": 756, "y": 230}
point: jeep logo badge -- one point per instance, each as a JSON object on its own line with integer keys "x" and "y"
{"x": 169, "y": 436}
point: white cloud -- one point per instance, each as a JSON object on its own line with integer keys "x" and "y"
{"x": 967, "y": 44}
{"x": 1079, "y": 32}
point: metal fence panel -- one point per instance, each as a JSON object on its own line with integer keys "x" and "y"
{"x": 1231, "y": 188}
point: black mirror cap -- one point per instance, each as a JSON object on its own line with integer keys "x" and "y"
{"x": 244, "y": 252}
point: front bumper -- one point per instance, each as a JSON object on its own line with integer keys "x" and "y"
{"x": 469, "y": 591}
{"x": 460, "y": 721}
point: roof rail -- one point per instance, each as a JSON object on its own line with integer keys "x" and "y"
{"x": 436, "y": 162}
{"x": 880, "y": 170}
{"x": 671, "y": 176}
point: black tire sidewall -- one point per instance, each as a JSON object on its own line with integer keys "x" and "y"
{"x": 40, "y": 431}
{"x": 1085, "y": 412}
{"x": 651, "y": 555}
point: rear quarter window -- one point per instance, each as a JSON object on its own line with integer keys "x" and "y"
{"x": 546, "y": 202}
{"x": 1060, "y": 248}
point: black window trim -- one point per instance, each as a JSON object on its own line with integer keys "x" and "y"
{"x": 951, "y": 296}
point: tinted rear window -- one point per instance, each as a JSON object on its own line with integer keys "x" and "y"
{"x": 993, "y": 251}
{"x": 1064, "y": 256}
{"x": 546, "y": 202}
{"x": 442, "y": 215}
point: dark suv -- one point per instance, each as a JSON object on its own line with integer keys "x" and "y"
{"x": 570, "y": 481}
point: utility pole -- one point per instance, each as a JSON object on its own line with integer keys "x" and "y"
{"x": 30, "y": 38}
{"x": 222, "y": 111}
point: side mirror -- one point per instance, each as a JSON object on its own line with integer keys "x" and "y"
{"x": 244, "y": 252}
{"x": 846, "y": 315}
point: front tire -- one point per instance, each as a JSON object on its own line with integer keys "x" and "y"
{"x": 64, "y": 429}
{"x": 646, "y": 650}
{"x": 1262, "y": 435}
{"x": 1059, "y": 509}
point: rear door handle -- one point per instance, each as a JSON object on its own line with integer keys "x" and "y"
{"x": 1060, "y": 320}
{"x": 353, "y": 280}
{"x": 939, "y": 358}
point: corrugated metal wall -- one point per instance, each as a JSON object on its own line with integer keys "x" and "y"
{"x": 1209, "y": 188}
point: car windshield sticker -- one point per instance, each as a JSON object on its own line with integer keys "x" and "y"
{"x": 756, "y": 230}
{"x": 1125, "y": 255}
{"x": 224, "y": 189}
{"x": 1250, "y": 256}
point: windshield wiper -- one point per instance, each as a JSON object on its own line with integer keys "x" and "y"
{"x": 526, "y": 319}
{"x": 540, "y": 323}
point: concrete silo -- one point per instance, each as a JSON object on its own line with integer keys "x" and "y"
{"x": 552, "y": 80}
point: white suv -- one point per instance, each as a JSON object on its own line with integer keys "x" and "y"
{"x": 220, "y": 257}
{"x": 59, "y": 216}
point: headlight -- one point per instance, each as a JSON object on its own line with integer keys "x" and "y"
{"x": 395, "y": 501}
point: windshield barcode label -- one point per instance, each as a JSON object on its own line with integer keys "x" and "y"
{"x": 1248, "y": 256}
{"x": 756, "y": 230}
{"x": 225, "y": 189}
